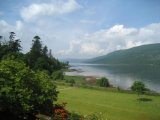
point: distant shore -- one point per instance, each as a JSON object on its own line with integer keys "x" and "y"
{"x": 92, "y": 79}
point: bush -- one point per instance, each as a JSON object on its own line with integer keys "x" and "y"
{"x": 103, "y": 82}
{"x": 75, "y": 116}
{"x": 138, "y": 87}
{"x": 71, "y": 82}
{"x": 23, "y": 91}
{"x": 60, "y": 113}
{"x": 57, "y": 75}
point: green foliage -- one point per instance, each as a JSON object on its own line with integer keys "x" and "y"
{"x": 60, "y": 113}
{"x": 57, "y": 75}
{"x": 23, "y": 91}
{"x": 74, "y": 116}
{"x": 14, "y": 95}
{"x": 138, "y": 87}
{"x": 79, "y": 80}
{"x": 25, "y": 87}
{"x": 10, "y": 49}
{"x": 103, "y": 82}
{"x": 71, "y": 82}
{"x": 39, "y": 59}
{"x": 35, "y": 52}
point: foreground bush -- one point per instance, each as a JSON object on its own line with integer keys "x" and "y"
{"x": 24, "y": 92}
{"x": 60, "y": 113}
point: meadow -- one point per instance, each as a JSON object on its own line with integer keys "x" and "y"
{"x": 111, "y": 105}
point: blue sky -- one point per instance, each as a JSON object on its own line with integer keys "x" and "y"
{"x": 82, "y": 28}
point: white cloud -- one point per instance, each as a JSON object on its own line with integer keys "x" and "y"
{"x": 22, "y": 32}
{"x": 4, "y": 27}
{"x": 73, "y": 48}
{"x": 89, "y": 48}
{"x": 117, "y": 37}
{"x": 57, "y": 7}
{"x": 65, "y": 43}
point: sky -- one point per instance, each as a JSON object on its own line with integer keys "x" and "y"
{"x": 82, "y": 28}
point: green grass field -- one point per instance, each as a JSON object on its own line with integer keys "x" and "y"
{"x": 80, "y": 80}
{"x": 112, "y": 105}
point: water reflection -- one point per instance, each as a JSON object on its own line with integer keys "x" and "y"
{"x": 121, "y": 75}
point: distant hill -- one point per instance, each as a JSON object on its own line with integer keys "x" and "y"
{"x": 145, "y": 54}
{"x": 72, "y": 60}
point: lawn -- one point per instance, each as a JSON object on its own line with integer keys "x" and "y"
{"x": 112, "y": 105}
{"x": 80, "y": 80}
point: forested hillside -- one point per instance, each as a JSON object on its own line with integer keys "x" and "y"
{"x": 145, "y": 54}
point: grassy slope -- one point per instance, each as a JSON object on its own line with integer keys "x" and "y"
{"x": 113, "y": 105}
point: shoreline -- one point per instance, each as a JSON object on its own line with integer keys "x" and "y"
{"x": 121, "y": 80}
{"x": 93, "y": 78}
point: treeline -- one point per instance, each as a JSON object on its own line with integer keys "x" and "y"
{"x": 38, "y": 58}
{"x": 26, "y": 86}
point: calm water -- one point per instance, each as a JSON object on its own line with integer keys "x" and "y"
{"x": 121, "y": 75}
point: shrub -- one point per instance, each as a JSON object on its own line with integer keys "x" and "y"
{"x": 23, "y": 91}
{"x": 138, "y": 87}
{"x": 103, "y": 82}
{"x": 59, "y": 112}
{"x": 57, "y": 75}
{"x": 71, "y": 82}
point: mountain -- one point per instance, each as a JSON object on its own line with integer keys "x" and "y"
{"x": 145, "y": 54}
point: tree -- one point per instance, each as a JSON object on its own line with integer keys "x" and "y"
{"x": 35, "y": 52}
{"x": 58, "y": 75}
{"x": 23, "y": 91}
{"x": 71, "y": 82}
{"x": 103, "y": 82}
{"x": 11, "y": 48}
{"x": 45, "y": 51}
{"x": 1, "y": 37}
{"x": 138, "y": 87}
{"x": 12, "y": 36}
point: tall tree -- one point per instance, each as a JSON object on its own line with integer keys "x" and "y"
{"x": 14, "y": 44}
{"x": 35, "y": 52}
{"x": 45, "y": 51}
{"x": 10, "y": 49}
{"x": 50, "y": 53}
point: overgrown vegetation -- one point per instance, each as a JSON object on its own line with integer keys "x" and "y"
{"x": 25, "y": 83}
{"x": 23, "y": 91}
